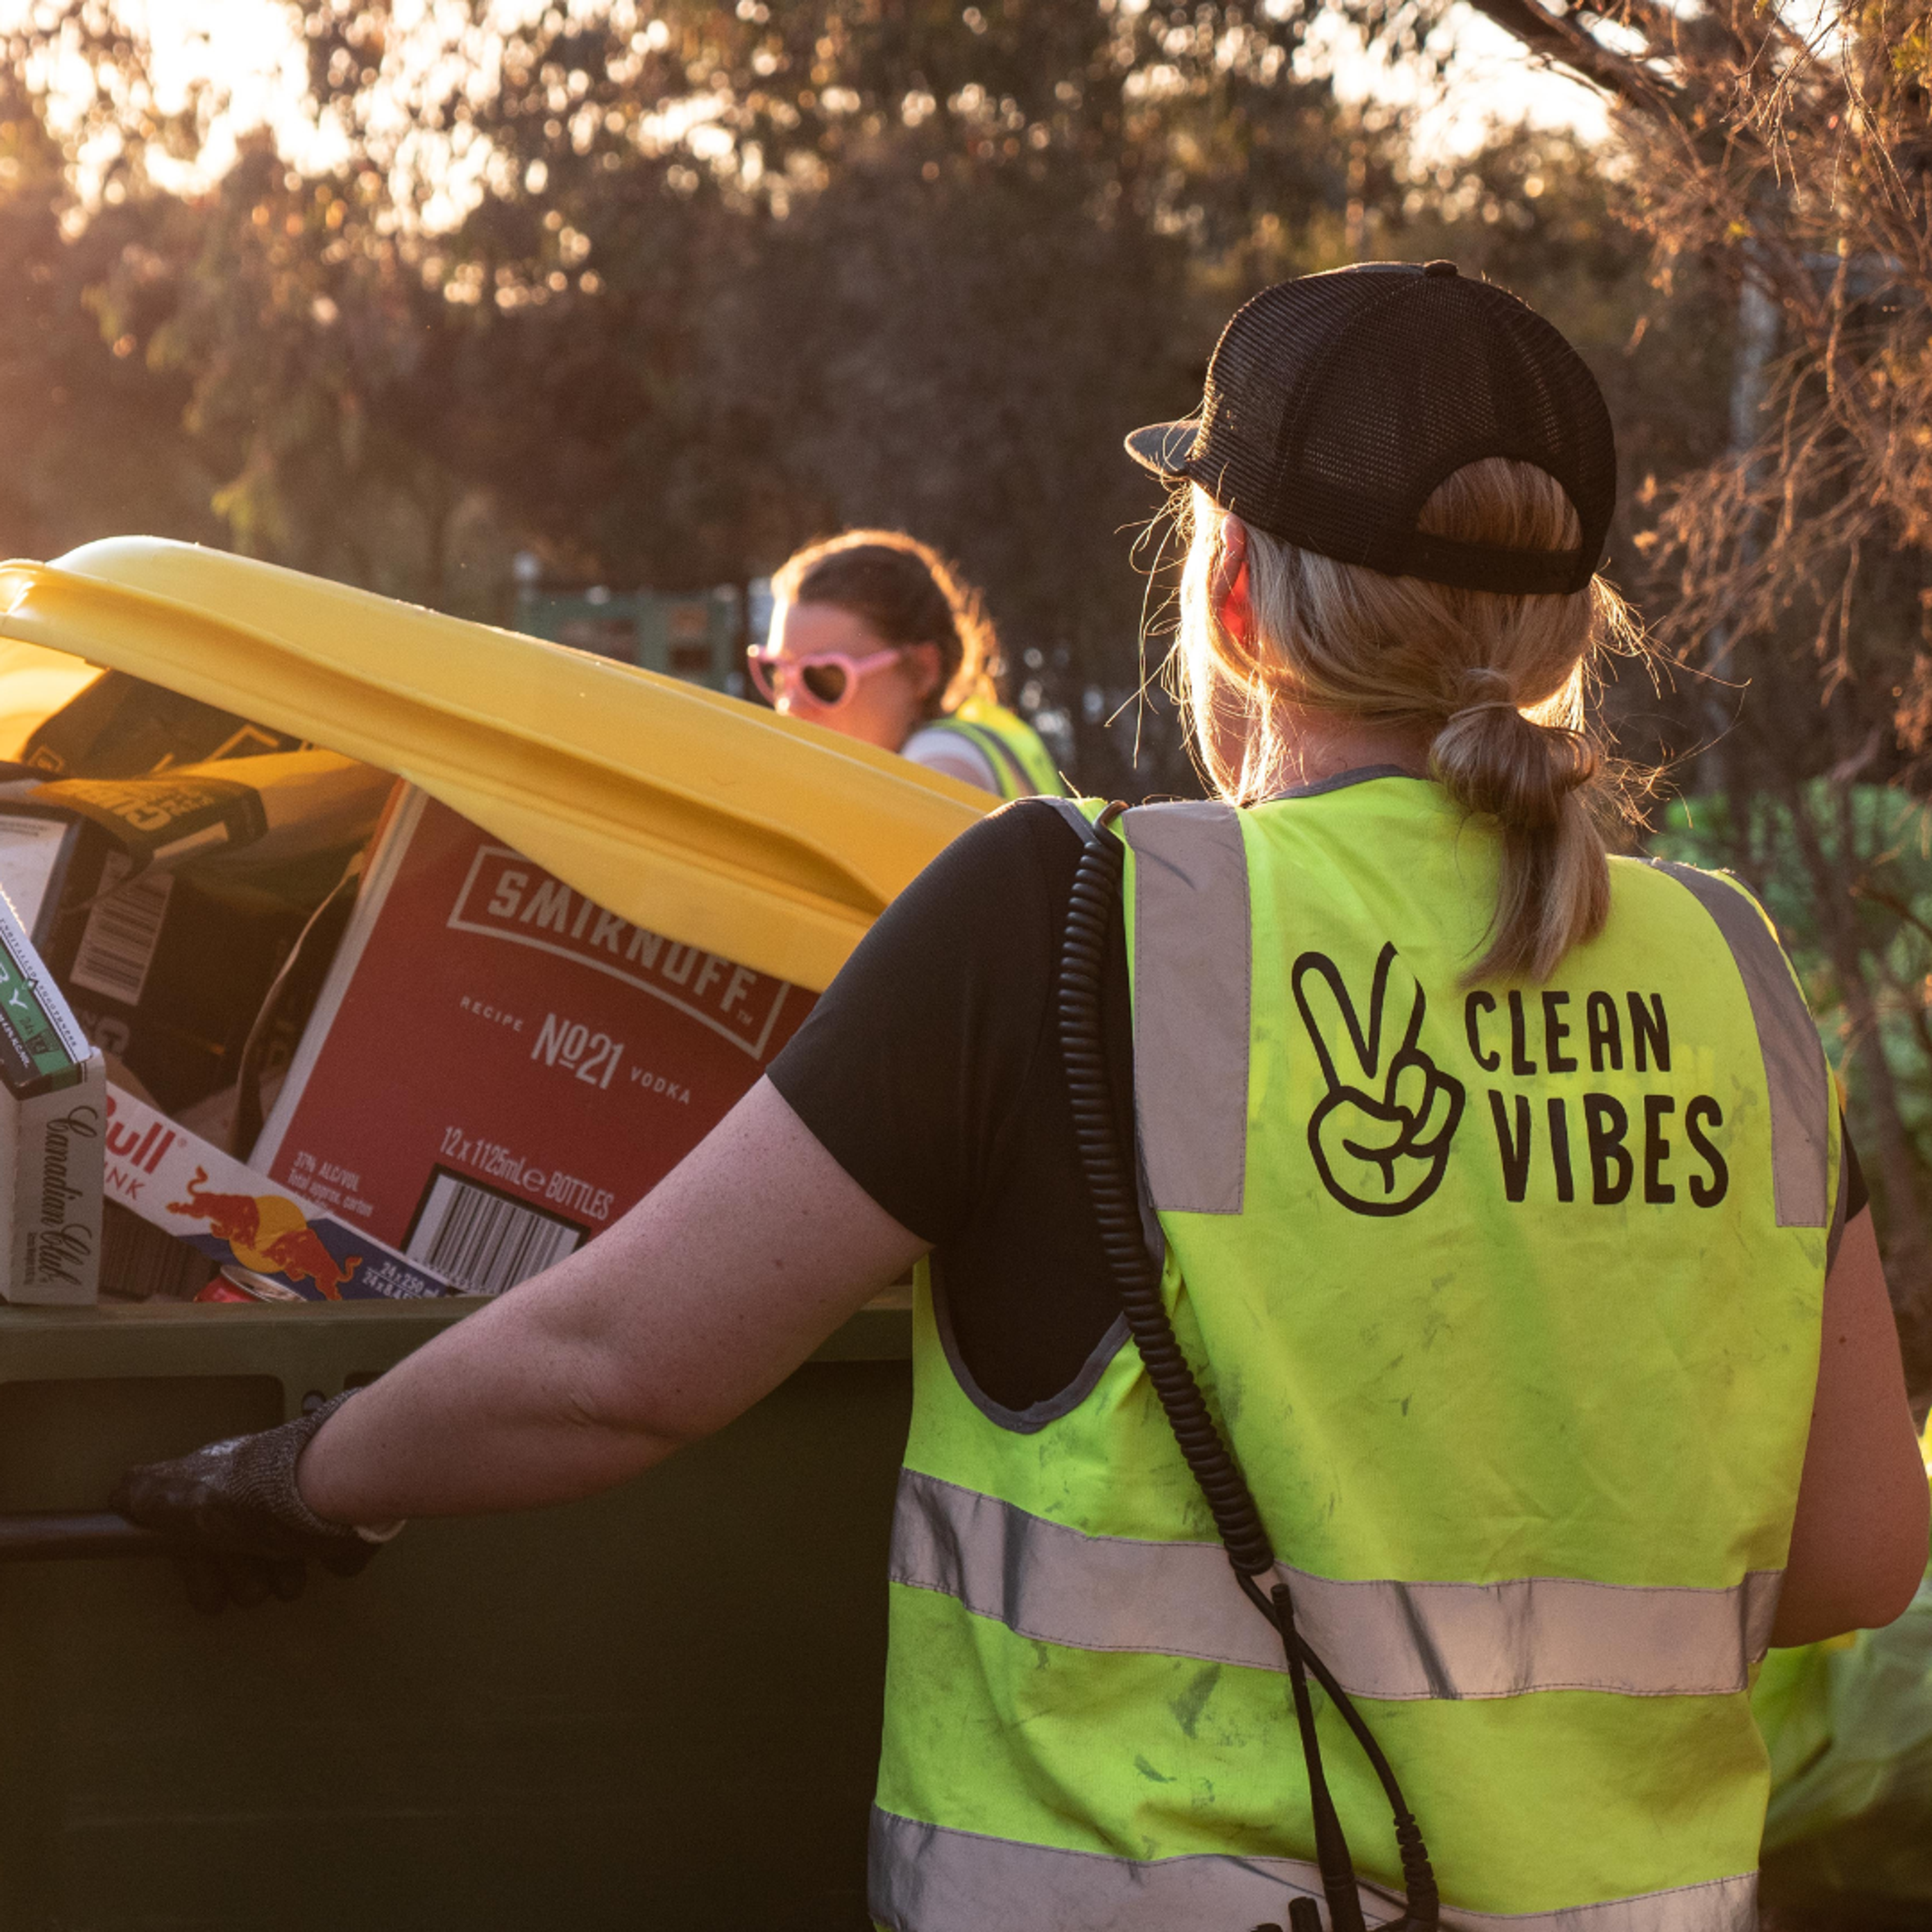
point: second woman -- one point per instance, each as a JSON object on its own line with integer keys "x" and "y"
{"x": 874, "y": 636}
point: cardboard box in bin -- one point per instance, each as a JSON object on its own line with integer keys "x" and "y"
{"x": 53, "y": 1095}
{"x": 497, "y": 1068}
{"x": 164, "y": 906}
{"x": 120, "y": 726}
{"x": 140, "y": 1262}
{"x": 281, "y": 1247}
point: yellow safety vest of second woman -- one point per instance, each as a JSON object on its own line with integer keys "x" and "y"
{"x": 1020, "y": 760}
{"x": 1508, "y": 1300}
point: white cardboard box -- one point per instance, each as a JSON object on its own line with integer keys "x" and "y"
{"x": 53, "y": 1112}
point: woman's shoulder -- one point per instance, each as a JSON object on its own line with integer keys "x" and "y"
{"x": 1025, "y": 851}
{"x": 916, "y": 1055}
{"x": 952, "y": 754}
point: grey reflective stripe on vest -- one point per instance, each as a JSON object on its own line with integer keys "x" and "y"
{"x": 1383, "y": 1639}
{"x": 1794, "y": 1061}
{"x": 1193, "y": 960}
{"x": 925, "y": 1878}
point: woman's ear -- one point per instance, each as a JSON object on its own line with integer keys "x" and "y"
{"x": 926, "y": 666}
{"x": 1228, "y": 591}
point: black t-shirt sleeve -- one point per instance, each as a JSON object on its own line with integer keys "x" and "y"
{"x": 930, "y": 1071}
{"x": 911, "y": 1067}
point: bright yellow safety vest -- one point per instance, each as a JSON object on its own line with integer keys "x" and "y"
{"x": 1020, "y": 760}
{"x": 1509, "y": 1302}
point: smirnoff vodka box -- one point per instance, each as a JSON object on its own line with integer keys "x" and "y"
{"x": 497, "y": 1068}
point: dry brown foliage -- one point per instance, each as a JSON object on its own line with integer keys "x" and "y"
{"x": 1789, "y": 148}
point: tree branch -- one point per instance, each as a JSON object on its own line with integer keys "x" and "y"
{"x": 1559, "y": 39}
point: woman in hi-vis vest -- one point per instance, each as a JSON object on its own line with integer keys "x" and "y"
{"x": 875, "y": 635}
{"x": 1492, "y": 1192}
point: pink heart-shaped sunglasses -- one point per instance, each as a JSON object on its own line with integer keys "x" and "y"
{"x": 829, "y": 678}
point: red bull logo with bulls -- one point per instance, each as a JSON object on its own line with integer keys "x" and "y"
{"x": 267, "y": 1234}
{"x": 179, "y": 1182}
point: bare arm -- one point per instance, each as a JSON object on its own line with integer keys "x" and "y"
{"x": 702, "y": 1299}
{"x": 1858, "y": 1545}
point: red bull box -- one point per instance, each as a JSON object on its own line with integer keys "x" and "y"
{"x": 53, "y": 1101}
{"x": 278, "y": 1245}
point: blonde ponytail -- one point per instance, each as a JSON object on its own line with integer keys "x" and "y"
{"x": 1535, "y": 781}
{"x": 1495, "y": 681}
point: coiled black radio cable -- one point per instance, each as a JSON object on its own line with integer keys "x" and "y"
{"x": 1091, "y": 913}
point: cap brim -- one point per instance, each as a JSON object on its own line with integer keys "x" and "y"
{"x": 1163, "y": 447}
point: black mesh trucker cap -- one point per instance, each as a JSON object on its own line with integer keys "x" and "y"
{"x": 1337, "y": 404}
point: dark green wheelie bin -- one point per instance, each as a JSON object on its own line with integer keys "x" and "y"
{"x": 658, "y": 1708}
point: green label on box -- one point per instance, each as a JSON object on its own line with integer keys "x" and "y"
{"x": 32, "y": 1059}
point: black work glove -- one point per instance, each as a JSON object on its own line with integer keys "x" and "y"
{"x": 244, "y": 1532}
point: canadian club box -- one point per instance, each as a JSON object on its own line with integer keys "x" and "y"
{"x": 53, "y": 1096}
{"x": 497, "y": 1068}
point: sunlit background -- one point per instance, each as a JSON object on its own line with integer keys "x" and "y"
{"x": 251, "y": 54}
{"x": 510, "y": 308}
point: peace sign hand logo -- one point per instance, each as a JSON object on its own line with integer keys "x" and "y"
{"x": 1380, "y": 1133}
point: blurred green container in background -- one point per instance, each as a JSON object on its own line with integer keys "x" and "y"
{"x": 698, "y": 636}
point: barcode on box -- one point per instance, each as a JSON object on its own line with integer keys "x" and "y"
{"x": 483, "y": 1240}
{"x": 123, "y": 931}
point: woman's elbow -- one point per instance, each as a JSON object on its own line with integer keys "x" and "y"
{"x": 608, "y": 1405}
{"x": 1904, "y": 1567}
{"x": 1866, "y": 1585}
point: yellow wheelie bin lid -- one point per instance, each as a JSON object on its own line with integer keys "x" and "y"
{"x": 716, "y": 823}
